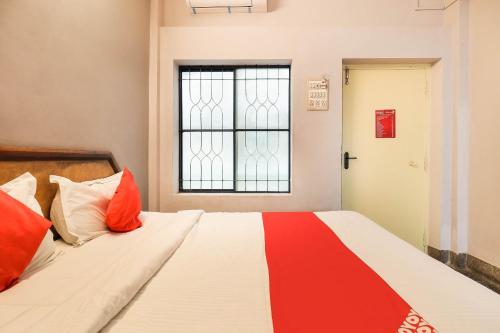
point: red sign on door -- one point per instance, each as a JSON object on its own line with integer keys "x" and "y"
{"x": 385, "y": 123}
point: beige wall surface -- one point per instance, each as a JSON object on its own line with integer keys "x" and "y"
{"x": 346, "y": 13}
{"x": 475, "y": 112}
{"x": 452, "y": 21}
{"x": 484, "y": 225}
{"x": 314, "y": 37}
{"x": 75, "y": 74}
{"x": 438, "y": 211}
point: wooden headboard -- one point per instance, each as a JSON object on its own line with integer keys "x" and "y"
{"x": 77, "y": 165}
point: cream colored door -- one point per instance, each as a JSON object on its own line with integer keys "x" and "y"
{"x": 388, "y": 182}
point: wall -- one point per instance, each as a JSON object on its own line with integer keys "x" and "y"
{"x": 439, "y": 210}
{"x": 484, "y": 102}
{"x": 75, "y": 74}
{"x": 316, "y": 13}
{"x": 327, "y": 33}
{"x": 474, "y": 157}
{"x": 444, "y": 226}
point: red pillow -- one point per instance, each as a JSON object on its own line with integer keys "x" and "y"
{"x": 125, "y": 206}
{"x": 21, "y": 233}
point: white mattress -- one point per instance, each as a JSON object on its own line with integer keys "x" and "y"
{"x": 217, "y": 280}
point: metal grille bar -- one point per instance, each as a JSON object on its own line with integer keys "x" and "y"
{"x": 234, "y": 129}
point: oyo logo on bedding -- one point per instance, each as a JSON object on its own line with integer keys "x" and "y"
{"x": 414, "y": 323}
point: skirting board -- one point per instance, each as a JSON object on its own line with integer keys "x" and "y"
{"x": 470, "y": 266}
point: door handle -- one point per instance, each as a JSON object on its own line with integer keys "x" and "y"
{"x": 346, "y": 160}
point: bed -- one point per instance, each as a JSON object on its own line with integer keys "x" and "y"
{"x": 193, "y": 271}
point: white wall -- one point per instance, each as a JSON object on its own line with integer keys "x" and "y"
{"x": 315, "y": 36}
{"x": 484, "y": 102}
{"x": 316, "y": 13}
{"x": 472, "y": 225}
{"x": 74, "y": 74}
{"x": 439, "y": 159}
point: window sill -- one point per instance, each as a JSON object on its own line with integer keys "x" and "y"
{"x": 233, "y": 194}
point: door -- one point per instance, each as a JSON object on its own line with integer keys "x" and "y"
{"x": 388, "y": 180}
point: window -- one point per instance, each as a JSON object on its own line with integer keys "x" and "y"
{"x": 234, "y": 129}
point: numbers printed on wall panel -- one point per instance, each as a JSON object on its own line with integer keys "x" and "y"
{"x": 317, "y": 96}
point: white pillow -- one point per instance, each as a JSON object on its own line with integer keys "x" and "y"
{"x": 23, "y": 189}
{"x": 79, "y": 209}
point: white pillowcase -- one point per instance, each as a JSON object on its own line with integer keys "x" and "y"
{"x": 23, "y": 189}
{"x": 79, "y": 209}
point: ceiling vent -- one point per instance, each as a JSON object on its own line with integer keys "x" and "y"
{"x": 227, "y": 6}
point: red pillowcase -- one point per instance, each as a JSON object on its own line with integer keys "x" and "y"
{"x": 125, "y": 206}
{"x": 21, "y": 233}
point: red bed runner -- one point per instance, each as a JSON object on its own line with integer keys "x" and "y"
{"x": 318, "y": 285}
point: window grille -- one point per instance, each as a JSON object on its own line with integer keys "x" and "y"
{"x": 234, "y": 129}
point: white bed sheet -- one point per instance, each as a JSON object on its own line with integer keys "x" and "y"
{"x": 217, "y": 281}
{"x": 83, "y": 289}
{"x": 63, "y": 247}
{"x": 448, "y": 300}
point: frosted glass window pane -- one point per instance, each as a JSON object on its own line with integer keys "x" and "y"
{"x": 207, "y": 160}
{"x": 262, "y": 104}
{"x": 207, "y": 103}
{"x": 251, "y": 73}
{"x": 262, "y": 161}
{"x": 235, "y": 129}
